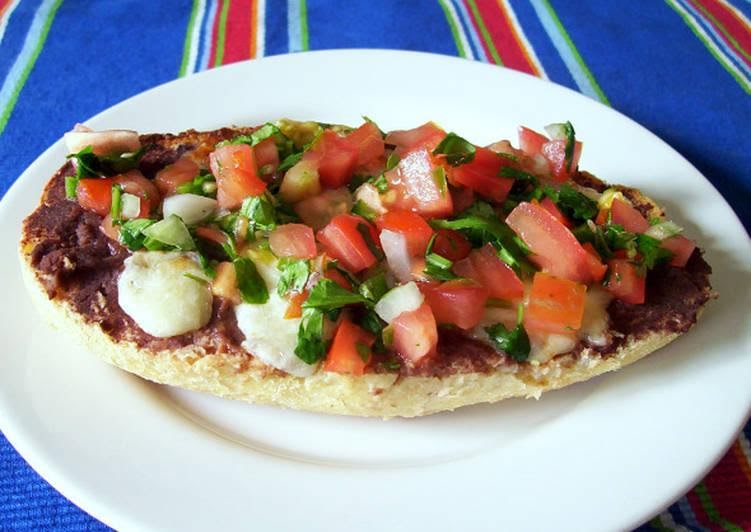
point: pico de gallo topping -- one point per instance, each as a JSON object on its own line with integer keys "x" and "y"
{"x": 381, "y": 240}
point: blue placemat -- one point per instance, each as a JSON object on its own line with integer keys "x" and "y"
{"x": 682, "y": 68}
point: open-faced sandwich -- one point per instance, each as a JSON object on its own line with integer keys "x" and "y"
{"x": 352, "y": 271}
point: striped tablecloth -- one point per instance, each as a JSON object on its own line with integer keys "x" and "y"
{"x": 682, "y": 68}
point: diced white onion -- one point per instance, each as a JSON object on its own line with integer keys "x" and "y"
{"x": 404, "y": 298}
{"x": 130, "y": 206}
{"x": 397, "y": 256}
{"x": 192, "y": 208}
{"x": 556, "y": 131}
{"x": 112, "y": 141}
{"x": 663, "y": 230}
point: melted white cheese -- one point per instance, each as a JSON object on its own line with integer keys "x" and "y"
{"x": 268, "y": 336}
{"x": 595, "y": 320}
{"x": 154, "y": 290}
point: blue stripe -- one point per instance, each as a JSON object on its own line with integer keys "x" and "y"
{"x": 580, "y": 78}
{"x": 729, "y": 54}
{"x": 403, "y": 25}
{"x": 543, "y": 46}
{"x": 276, "y": 29}
{"x": 294, "y": 36}
{"x": 469, "y": 29}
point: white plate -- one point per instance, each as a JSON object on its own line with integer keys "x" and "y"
{"x": 606, "y": 454}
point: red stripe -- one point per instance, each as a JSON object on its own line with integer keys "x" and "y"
{"x": 214, "y": 34}
{"x": 701, "y": 516}
{"x": 504, "y": 37}
{"x": 4, "y": 4}
{"x": 237, "y": 34}
{"x": 732, "y": 24}
{"x": 730, "y": 490}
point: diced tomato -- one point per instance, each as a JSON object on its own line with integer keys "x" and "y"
{"x": 338, "y": 277}
{"x": 95, "y": 194}
{"x": 451, "y": 244}
{"x": 460, "y": 302}
{"x": 135, "y": 183}
{"x": 531, "y": 142}
{"x": 462, "y": 198}
{"x": 420, "y": 185}
{"x": 631, "y": 219}
{"x": 481, "y": 175}
{"x": 681, "y": 247}
{"x": 555, "y": 249}
{"x": 224, "y": 283}
{"x": 415, "y": 229}
{"x": 267, "y": 157}
{"x": 602, "y": 216}
{"x": 553, "y": 209}
{"x": 182, "y": 171}
{"x": 236, "y": 173}
{"x": 350, "y": 350}
{"x": 368, "y": 142}
{"x": 415, "y": 334}
{"x": 212, "y": 235}
{"x": 625, "y": 283}
{"x": 343, "y": 241}
{"x": 555, "y": 152}
{"x": 498, "y": 278}
{"x": 427, "y": 136}
{"x": 335, "y": 157}
{"x": 294, "y": 309}
{"x": 293, "y": 240}
{"x": 555, "y": 305}
{"x": 112, "y": 231}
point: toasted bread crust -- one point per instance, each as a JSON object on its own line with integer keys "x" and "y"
{"x": 236, "y": 375}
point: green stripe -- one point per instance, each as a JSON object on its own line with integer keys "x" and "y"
{"x": 575, "y": 52}
{"x": 304, "y": 39}
{"x": 735, "y": 44}
{"x": 188, "y": 38}
{"x": 656, "y": 523}
{"x": 711, "y": 511}
{"x": 29, "y": 66}
{"x": 720, "y": 59}
{"x": 221, "y": 34}
{"x": 454, "y": 29}
{"x": 484, "y": 32}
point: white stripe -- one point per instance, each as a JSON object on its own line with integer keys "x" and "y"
{"x": 466, "y": 19}
{"x": 261, "y": 28}
{"x": 22, "y": 60}
{"x": 6, "y": 18}
{"x": 459, "y": 28}
{"x": 561, "y": 45}
{"x": 294, "y": 32}
{"x": 204, "y": 61}
{"x": 666, "y": 520}
{"x": 520, "y": 32}
{"x": 710, "y": 42}
{"x": 688, "y": 514}
{"x": 195, "y": 38}
{"x": 729, "y": 53}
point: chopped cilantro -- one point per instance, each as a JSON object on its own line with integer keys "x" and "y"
{"x": 327, "y": 295}
{"x": 116, "y": 207}
{"x": 131, "y": 233}
{"x": 456, "y": 149}
{"x": 310, "y": 346}
{"x": 71, "y": 184}
{"x": 572, "y": 202}
{"x": 379, "y": 182}
{"x": 374, "y": 287}
{"x": 392, "y": 161}
{"x": 294, "y": 275}
{"x": 260, "y": 212}
{"x": 289, "y": 161}
{"x": 363, "y": 350}
{"x": 652, "y": 254}
{"x": 250, "y": 283}
{"x": 88, "y": 164}
{"x": 363, "y": 209}
{"x": 519, "y": 175}
{"x": 514, "y": 342}
{"x": 199, "y": 186}
{"x": 570, "y": 144}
